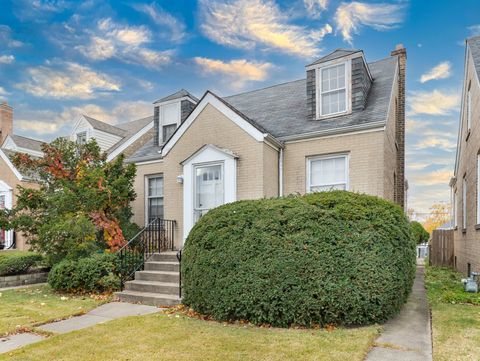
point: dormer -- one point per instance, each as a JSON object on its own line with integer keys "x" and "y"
{"x": 337, "y": 84}
{"x": 169, "y": 112}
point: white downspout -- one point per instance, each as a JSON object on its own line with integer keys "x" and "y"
{"x": 280, "y": 173}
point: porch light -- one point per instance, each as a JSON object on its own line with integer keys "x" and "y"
{"x": 180, "y": 179}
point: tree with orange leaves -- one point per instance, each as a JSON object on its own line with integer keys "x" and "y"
{"x": 82, "y": 204}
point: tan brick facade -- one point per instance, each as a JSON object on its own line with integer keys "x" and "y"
{"x": 467, "y": 241}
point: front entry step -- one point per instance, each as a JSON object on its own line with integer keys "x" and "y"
{"x": 157, "y": 285}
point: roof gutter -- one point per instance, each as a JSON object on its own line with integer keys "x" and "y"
{"x": 336, "y": 131}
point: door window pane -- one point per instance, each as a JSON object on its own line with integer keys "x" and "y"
{"x": 208, "y": 189}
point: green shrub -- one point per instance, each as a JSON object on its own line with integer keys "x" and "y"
{"x": 17, "y": 262}
{"x": 90, "y": 274}
{"x": 420, "y": 235}
{"x": 334, "y": 257}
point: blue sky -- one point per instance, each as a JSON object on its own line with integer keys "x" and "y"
{"x": 112, "y": 59}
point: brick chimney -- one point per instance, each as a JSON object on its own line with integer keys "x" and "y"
{"x": 401, "y": 53}
{"x": 6, "y": 121}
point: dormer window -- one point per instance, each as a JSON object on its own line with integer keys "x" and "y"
{"x": 333, "y": 90}
{"x": 81, "y": 138}
{"x": 168, "y": 131}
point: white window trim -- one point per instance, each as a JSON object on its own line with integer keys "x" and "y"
{"x": 147, "y": 197}
{"x": 348, "y": 89}
{"x": 478, "y": 188}
{"x": 455, "y": 209}
{"x": 325, "y": 157}
{"x": 464, "y": 202}
{"x": 7, "y": 191}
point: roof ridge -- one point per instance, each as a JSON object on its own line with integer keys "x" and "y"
{"x": 260, "y": 89}
{"x": 24, "y": 137}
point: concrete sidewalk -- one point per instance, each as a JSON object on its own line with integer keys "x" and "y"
{"x": 104, "y": 313}
{"x": 408, "y": 336}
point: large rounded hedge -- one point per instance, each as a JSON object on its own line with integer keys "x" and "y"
{"x": 324, "y": 258}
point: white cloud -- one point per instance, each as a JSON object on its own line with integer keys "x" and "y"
{"x": 126, "y": 43}
{"x": 349, "y": 17}
{"x": 432, "y": 103}
{"x": 71, "y": 80}
{"x": 439, "y": 176}
{"x": 236, "y": 72}
{"x": 441, "y": 71}
{"x": 164, "y": 19}
{"x": 315, "y": 7}
{"x": 3, "y": 91}
{"x": 436, "y": 142}
{"x": 417, "y": 166}
{"x": 6, "y": 59}
{"x": 474, "y": 30}
{"x": 48, "y": 122}
{"x": 413, "y": 125}
{"x": 6, "y": 38}
{"x": 247, "y": 24}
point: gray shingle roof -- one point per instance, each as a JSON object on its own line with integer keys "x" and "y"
{"x": 338, "y": 53}
{"x": 105, "y": 127}
{"x": 147, "y": 152}
{"x": 282, "y": 111}
{"x": 474, "y": 45}
{"x": 27, "y": 143}
{"x": 180, "y": 94}
{"x": 130, "y": 128}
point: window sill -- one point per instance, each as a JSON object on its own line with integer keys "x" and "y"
{"x": 468, "y": 135}
{"x": 464, "y": 230}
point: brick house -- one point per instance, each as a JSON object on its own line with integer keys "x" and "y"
{"x": 340, "y": 127}
{"x": 124, "y": 138}
{"x": 465, "y": 185}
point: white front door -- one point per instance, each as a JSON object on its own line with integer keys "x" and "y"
{"x": 209, "y": 180}
{"x": 209, "y": 189}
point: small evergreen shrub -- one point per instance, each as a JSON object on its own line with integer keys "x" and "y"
{"x": 90, "y": 274}
{"x": 324, "y": 258}
{"x": 17, "y": 262}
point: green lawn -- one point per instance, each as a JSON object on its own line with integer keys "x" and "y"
{"x": 455, "y": 317}
{"x": 175, "y": 337}
{"x": 23, "y": 308}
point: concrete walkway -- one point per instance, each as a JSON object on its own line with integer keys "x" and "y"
{"x": 104, "y": 313}
{"x": 408, "y": 336}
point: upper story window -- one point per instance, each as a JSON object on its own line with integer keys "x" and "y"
{"x": 168, "y": 131}
{"x": 469, "y": 107}
{"x": 333, "y": 90}
{"x": 327, "y": 173}
{"x": 82, "y": 138}
{"x": 455, "y": 209}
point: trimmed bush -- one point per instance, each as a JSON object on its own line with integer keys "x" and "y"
{"x": 90, "y": 274}
{"x": 324, "y": 258}
{"x": 17, "y": 262}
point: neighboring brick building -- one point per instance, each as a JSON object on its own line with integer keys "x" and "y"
{"x": 125, "y": 138}
{"x": 466, "y": 182}
{"x": 342, "y": 127}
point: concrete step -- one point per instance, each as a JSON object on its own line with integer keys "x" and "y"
{"x": 157, "y": 276}
{"x": 167, "y": 288}
{"x": 148, "y": 298}
{"x": 164, "y": 257}
{"x": 162, "y": 266}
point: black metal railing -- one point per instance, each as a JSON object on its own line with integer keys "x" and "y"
{"x": 158, "y": 236}
{"x": 179, "y": 258}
